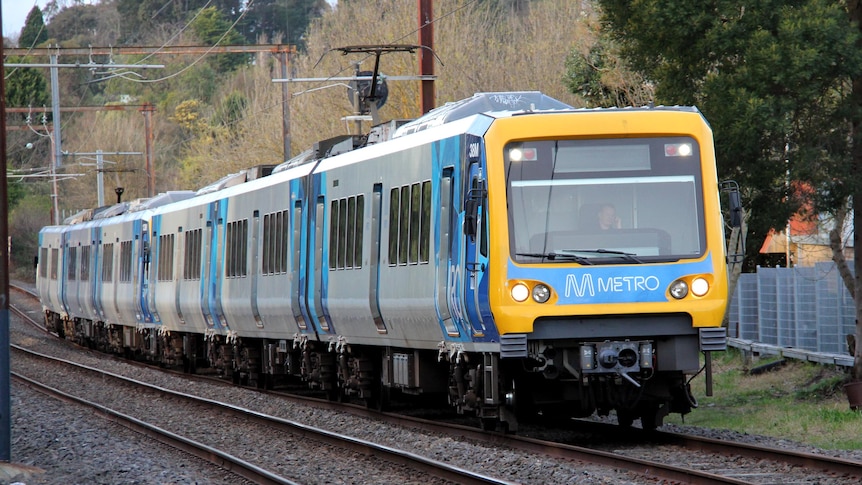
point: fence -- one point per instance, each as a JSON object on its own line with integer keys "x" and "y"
{"x": 803, "y": 307}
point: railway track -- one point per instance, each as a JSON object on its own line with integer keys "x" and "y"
{"x": 64, "y": 379}
{"x": 699, "y": 460}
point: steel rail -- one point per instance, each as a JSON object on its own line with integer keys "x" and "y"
{"x": 214, "y": 456}
{"x": 393, "y": 455}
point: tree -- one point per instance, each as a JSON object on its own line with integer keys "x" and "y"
{"x": 34, "y": 31}
{"x": 276, "y": 19}
{"x": 141, "y": 18}
{"x": 212, "y": 28}
{"x": 780, "y": 82}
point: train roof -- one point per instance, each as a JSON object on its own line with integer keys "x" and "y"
{"x": 483, "y": 103}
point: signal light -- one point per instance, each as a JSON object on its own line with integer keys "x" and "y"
{"x": 678, "y": 150}
{"x": 523, "y": 154}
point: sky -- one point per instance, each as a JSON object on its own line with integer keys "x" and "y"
{"x": 15, "y": 13}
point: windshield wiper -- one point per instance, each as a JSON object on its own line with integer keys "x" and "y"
{"x": 558, "y": 256}
{"x": 628, "y": 256}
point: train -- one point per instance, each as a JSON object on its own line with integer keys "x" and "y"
{"x": 460, "y": 256}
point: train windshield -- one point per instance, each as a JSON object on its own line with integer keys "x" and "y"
{"x": 606, "y": 201}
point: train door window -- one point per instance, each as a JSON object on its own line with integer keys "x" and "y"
{"x": 345, "y": 233}
{"x": 43, "y": 262}
{"x": 425, "y": 224}
{"x": 125, "y": 261}
{"x": 236, "y": 249}
{"x": 275, "y": 243}
{"x": 394, "y": 210}
{"x": 55, "y": 261}
{"x": 85, "y": 263}
{"x": 192, "y": 253}
{"x": 166, "y": 257}
{"x": 72, "y": 264}
{"x": 108, "y": 262}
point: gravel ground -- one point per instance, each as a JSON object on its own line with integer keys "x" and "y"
{"x": 72, "y": 446}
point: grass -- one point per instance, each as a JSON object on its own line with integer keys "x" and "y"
{"x": 798, "y": 401}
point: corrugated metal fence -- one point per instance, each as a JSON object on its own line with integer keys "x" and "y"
{"x": 804, "y": 307}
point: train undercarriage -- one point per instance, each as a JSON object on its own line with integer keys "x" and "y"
{"x": 549, "y": 383}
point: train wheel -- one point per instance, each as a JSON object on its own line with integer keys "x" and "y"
{"x": 379, "y": 398}
{"x": 625, "y": 418}
{"x": 488, "y": 424}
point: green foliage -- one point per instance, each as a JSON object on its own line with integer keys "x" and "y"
{"x": 231, "y": 110}
{"x": 139, "y": 19}
{"x": 799, "y": 401}
{"x": 771, "y": 76}
{"x": 34, "y": 32}
{"x": 26, "y": 87}
{"x": 212, "y": 28}
{"x": 287, "y": 20}
{"x": 29, "y": 214}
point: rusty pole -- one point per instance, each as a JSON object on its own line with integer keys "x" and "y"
{"x": 5, "y": 374}
{"x": 147, "y": 110}
{"x": 426, "y": 53}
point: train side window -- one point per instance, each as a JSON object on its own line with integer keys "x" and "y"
{"x": 280, "y": 248}
{"x": 333, "y": 234}
{"x": 342, "y": 233}
{"x": 425, "y": 224}
{"x": 360, "y": 214}
{"x": 404, "y": 225}
{"x": 85, "y": 263}
{"x": 415, "y": 211}
{"x": 243, "y": 261}
{"x": 43, "y": 262}
{"x": 72, "y": 264}
{"x": 283, "y": 228}
{"x": 229, "y": 248}
{"x": 394, "y": 199}
{"x": 351, "y": 232}
{"x": 108, "y": 262}
{"x": 267, "y": 244}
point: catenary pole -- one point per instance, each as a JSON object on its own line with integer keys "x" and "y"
{"x": 5, "y": 374}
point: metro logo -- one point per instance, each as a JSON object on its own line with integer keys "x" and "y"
{"x": 611, "y": 284}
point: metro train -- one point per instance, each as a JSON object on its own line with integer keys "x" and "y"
{"x": 459, "y": 255}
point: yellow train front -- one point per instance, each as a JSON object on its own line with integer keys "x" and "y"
{"x": 606, "y": 261}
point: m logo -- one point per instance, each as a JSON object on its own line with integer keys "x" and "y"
{"x": 585, "y": 286}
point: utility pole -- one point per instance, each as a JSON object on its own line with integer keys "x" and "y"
{"x": 5, "y": 373}
{"x": 148, "y": 110}
{"x": 426, "y": 54}
{"x": 280, "y": 51}
{"x": 100, "y": 170}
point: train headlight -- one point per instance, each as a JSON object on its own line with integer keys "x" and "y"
{"x": 520, "y": 292}
{"x": 541, "y": 293}
{"x": 678, "y": 150}
{"x": 679, "y": 289}
{"x": 699, "y": 286}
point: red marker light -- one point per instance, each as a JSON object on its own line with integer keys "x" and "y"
{"x": 530, "y": 154}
